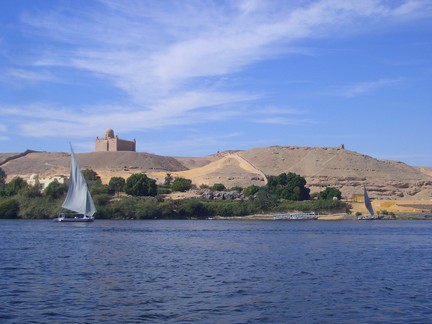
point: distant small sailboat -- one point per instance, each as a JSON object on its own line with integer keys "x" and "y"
{"x": 369, "y": 207}
{"x": 78, "y": 198}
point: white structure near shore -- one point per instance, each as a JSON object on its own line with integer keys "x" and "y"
{"x": 44, "y": 182}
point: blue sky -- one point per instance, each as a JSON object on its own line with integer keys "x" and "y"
{"x": 190, "y": 78}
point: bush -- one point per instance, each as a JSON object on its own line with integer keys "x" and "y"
{"x": 99, "y": 189}
{"x": 317, "y": 206}
{"x": 218, "y": 187}
{"x": 330, "y": 193}
{"x": 38, "y": 208}
{"x": 230, "y": 208}
{"x": 192, "y": 208}
{"x": 251, "y": 190}
{"x": 163, "y": 190}
{"x": 9, "y": 208}
{"x": 101, "y": 199}
{"x": 181, "y": 184}
{"x": 16, "y": 185}
{"x": 55, "y": 190}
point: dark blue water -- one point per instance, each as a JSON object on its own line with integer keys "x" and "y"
{"x": 216, "y": 272}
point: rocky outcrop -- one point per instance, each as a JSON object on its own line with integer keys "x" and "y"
{"x": 220, "y": 195}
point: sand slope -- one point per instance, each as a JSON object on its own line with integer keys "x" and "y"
{"x": 321, "y": 166}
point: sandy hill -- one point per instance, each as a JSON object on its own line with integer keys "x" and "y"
{"x": 322, "y": 167}
{"x": 344, "y": 169}
{"x": 106, "y": 164}
{"x": 426, "y": 170}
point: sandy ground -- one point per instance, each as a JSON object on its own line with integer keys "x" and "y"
{"x": 395, "y": 206}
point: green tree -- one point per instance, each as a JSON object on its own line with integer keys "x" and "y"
{"x": 16, "y": 185}
{"x": 330, "y": 193}
{"x": 2, "y": 182}
{"x": 139, "y": 184}
{"x": 117, "y": 184}
{"x": 265, "y": 199}
{"x": 99, "y": 189}
{"x": 251, "y": 190}
{"x": 32, "y": 191}
{"x": 2, "y": 178}
{"x": 218, "y": 187}
{"x": 55, "y": 189}
{"x": 181, "y": 184}
{"x": 90, "y": 175}
{"x": 289, "y": 186}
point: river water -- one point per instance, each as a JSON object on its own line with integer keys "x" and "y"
{"x": 216, "y": 271}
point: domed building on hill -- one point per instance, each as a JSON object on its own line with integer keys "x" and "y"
{"x": 111, "y": 143}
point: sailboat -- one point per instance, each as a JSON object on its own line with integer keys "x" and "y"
{"x": 78, "y": 199}
{"x": 369, "y": 207}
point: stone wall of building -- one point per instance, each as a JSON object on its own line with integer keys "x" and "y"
{"x": 111, "y": 143}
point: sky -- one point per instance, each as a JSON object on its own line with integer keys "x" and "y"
{"x": 191, "y": 78}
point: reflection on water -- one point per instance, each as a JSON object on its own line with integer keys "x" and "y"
{"x": 215, "y": 271}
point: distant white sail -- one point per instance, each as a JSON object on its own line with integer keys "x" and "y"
{"x": 368, "y": 203}
{"x": 78, "y": 198}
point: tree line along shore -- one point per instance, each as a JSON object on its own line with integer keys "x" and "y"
{"x": 139, "y": 197}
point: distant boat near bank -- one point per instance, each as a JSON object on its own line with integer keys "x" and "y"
{"x": 78, "y": 199}
{"x": 369, "y": 207}
{"x": 295, "y": 216}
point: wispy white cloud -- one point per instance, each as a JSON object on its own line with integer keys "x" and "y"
{"x": 42, "y": 120}
{"x": 3, "y": 130}
{"x": 31, "y": 76}
{"x": 272, "y": 110}
{"x": 279, "y": 116}
{"x": 284, "y": 121}
{"x": 363, "y": 88}
{"x": 147, "y": 48}
{"x": 197, "y": 143}
{"x": 172, "y": 64}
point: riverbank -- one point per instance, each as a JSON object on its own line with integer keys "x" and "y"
{"x": 331, "y": 217}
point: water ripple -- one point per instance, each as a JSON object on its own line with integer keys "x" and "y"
{"x": 215, "y": 272}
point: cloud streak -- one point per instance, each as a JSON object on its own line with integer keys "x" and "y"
{"x": 175, "y": 65}
{"x": 363, "y": 88}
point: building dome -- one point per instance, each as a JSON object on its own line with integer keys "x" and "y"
{"x": 109, "y": 133}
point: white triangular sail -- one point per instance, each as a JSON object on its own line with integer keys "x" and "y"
{"x": 78, "y": 198}
{"x": 368, "y": 203}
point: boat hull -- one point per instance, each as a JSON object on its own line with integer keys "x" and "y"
{"x": 370, "y": 218}
{"x": 74, "y": 220}
{"x": 295, "y": 216}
